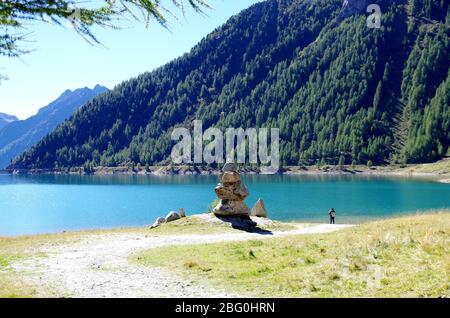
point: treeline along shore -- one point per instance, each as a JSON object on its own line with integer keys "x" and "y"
{"x": 439, "y": 169}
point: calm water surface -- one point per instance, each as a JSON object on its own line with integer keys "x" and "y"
{"x": 40, "y": 204}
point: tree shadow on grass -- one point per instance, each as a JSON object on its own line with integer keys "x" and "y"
{"x": 244, "y": 223}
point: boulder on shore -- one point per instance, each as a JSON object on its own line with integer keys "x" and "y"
{"x": 259, "y": 209}
{"x": 172, "y": 216}
{"x": 159, "y": 221}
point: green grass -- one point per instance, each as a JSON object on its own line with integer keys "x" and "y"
{"x": 13, "y": 284}
{"x": 12, "y": 249}
{"x": 189, "y": 225}
{"x": 197, "y": 225}
{"x": 407, "y": 256}
{"x": 441, "y": 167}
{"x": 404, "y": 257}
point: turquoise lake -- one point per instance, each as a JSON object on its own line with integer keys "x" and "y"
{"x": 42, "y": 204}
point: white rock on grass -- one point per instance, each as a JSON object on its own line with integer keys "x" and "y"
{"x": 158, "y": 222}
{"x": 172, "y": 216}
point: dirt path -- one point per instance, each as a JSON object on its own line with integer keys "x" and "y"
{"x": 97, "y": 266}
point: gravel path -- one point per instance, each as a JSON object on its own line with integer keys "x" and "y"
{"x": 97, "y": 266}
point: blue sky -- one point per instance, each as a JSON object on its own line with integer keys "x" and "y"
{"x": 62, "y": 60}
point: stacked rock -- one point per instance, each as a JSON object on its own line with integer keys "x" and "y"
{"x": 232, "y": 193}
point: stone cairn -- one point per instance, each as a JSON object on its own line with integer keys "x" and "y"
{"x": 232, "y": 193}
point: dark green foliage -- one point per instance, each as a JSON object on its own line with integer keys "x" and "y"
{"x": 425, "y": 91}
{"x": 340, "y": 92}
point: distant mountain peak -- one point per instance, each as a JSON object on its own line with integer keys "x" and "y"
{"x": 8, "y": 118}
{"x": 67, "y": 91}
{"x": 17, "y": 136}
{"x": 100, "y": 88}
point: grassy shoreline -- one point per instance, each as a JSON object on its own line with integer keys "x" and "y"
{"x": 25, "y": 247}
{"x": 401, "y": 257}
{"x": 303, "y": 265}
{"x": 438, "y": 169}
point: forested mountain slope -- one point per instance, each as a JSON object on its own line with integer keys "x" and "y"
{"x": 338, "y": 90}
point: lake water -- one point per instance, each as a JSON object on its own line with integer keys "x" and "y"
{"x": 41, "y": 204}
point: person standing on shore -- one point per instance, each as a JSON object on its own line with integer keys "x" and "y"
{"x": 332, "y": 214}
